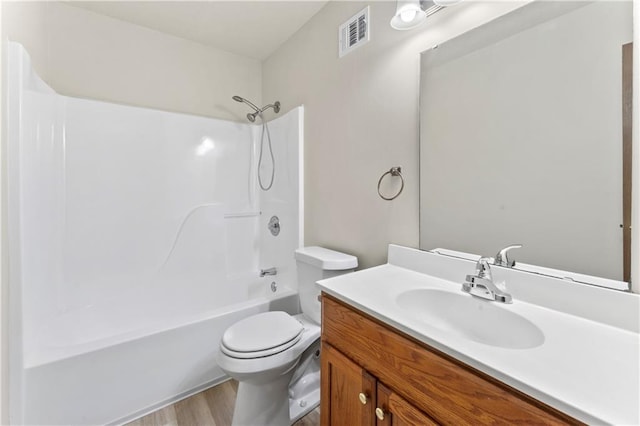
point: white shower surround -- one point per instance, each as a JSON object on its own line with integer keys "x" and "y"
{"x": 136, "y": 237}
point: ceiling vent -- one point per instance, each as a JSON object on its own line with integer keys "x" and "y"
{"x": 354, "y": 33}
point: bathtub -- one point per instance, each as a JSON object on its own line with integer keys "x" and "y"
{"x": 135, "y": 345}
{"x": 92, "y": 366}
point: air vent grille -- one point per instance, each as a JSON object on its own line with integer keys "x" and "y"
{"x": 354, "y": 33}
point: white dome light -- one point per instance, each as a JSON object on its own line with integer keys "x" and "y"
{"x": 408, "y": 15}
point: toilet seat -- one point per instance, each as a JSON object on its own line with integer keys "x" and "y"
{"x": 261, "y": 335}
{"x": 243, "y": 368}
{"x": 259, "y": 354}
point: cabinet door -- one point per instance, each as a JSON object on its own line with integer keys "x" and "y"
{"x": 348, "y": 392}
{"x": 392, "y": 410}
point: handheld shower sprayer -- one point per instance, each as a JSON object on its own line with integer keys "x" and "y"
{"x": 240, "y": 99}
{"x": 265, "y": 129}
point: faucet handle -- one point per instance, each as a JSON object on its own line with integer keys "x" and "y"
{"x": 483, "y": 270}
{"x": 502, "y": 258}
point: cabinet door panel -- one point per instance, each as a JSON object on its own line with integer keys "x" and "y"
{"x": 342, "y": 383}
{"x": 399, "y": 412}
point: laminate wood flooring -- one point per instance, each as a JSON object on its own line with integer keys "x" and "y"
{"x": 212, "y": 407}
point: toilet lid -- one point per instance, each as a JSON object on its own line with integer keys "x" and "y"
{"x": 262, "y": 332}
{"x": 260, "y": 354}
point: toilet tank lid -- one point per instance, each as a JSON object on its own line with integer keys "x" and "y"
{"x": 326, "y": 259}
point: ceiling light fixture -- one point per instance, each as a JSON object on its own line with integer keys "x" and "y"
{"x": 408, "y": 15}
{"x": 411, "y": 14}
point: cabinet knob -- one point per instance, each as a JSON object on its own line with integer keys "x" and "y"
{"x": 380, "y": 413}
{"x": 363, "y": 398}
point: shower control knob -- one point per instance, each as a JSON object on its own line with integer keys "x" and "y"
{"x": 363, "y": 398}
{"x": 274, "y": 226}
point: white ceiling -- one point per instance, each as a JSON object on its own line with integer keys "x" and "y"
{"x": 248, "y": 28}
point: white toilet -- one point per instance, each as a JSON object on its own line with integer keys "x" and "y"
{"x": 275, "y": 356}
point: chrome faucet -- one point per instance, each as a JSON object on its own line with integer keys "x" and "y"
{"x": 269, "y": 271}
{"x": 502, "y": 258}
{"x": 481, "y": 284}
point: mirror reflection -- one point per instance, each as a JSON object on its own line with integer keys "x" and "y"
{"x": 522, "y": 132}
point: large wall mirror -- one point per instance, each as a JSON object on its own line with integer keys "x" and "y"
{"x": 524, "y": 123}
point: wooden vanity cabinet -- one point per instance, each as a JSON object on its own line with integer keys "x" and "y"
{"x": 355, "y": 397}
{"x": 372, "y": 374}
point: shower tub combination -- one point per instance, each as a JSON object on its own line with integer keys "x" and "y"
{"x": 136, "y": 238}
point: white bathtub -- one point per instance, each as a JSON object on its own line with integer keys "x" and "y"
{"x": 87, "y": 369}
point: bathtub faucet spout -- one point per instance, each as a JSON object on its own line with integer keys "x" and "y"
{"x": 269, "y": 271}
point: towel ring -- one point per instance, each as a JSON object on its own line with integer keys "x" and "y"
{"x": 394, "y": 171}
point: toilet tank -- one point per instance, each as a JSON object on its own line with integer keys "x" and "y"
{"x": 315, "y": 264}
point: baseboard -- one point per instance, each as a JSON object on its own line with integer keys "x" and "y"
{"x": 172, "y": 400}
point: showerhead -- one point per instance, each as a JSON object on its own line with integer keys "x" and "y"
{"x": 237, "y": 98}
{"x": 252, "y": 117}
{"x": 276, "y": 107}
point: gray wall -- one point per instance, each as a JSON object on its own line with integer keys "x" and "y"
{"x": 84, "y": 54}
{"x": 361, "y": 118}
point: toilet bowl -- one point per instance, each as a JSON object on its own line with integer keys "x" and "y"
{"x": 274, "y": 356}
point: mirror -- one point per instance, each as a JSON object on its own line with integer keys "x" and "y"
{"x": 521, "y": 138}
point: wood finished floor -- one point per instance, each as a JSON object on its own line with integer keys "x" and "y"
{"x": 212, "y": 407}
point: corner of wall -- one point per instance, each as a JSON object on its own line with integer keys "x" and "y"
{"x": 4, "y": 330}
{"x": 635, "y": 178}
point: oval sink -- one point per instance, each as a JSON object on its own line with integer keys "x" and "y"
{"x": 475, "y": 319}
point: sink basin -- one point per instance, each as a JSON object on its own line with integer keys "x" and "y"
{"x": 472, "y": 318}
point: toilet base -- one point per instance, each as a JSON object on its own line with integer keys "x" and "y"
{"x": 304, "y": 389}
{"x": 263, "y": 404}
{"x": 298, "y": 408}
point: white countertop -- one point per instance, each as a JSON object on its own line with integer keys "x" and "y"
{"x": 585, "y": 368}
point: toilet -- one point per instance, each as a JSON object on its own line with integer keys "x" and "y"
{"x": 275, "y": 356}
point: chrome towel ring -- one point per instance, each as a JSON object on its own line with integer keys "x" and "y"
{"x": 394, "y": 171}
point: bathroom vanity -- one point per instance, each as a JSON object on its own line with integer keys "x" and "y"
{"x": 406, "y": 382}
{"x": 387, "y": 360}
